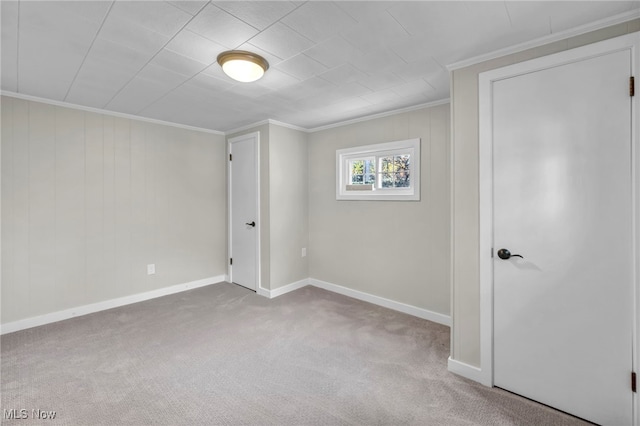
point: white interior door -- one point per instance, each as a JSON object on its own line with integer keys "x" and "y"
{"x": 562, "y": 186}
{"x": 243, "y": 216}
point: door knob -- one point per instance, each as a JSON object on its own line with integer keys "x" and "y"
{"x": 506, "y": 254}
{"x": 251, "y": 224}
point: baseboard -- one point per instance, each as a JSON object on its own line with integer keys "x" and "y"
{"x": 104, "y": 305}
{"x": 283, "y": 290}
{"x": 467, "y": 371}
{"x": 381, "y": 301}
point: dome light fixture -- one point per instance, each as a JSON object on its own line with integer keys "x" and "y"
{"x": 243, "y": 66}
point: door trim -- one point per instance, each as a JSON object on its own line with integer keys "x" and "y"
{"x": 629, "y": 42}
{"x": 256, "y": 138}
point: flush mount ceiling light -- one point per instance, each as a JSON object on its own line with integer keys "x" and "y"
{"x": 243, "y": 66}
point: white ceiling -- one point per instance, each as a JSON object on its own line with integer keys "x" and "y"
{"x": 329, "y": 61}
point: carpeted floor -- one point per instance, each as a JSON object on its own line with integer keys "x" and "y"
{"x": 221, "y": 355}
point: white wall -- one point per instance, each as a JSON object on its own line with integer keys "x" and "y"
{"x": 399, "y": 250}
{"x": 464, "y": 104}
{"x": 88, "y": 200}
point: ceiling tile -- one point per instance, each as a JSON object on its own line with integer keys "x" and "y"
{"x": 120, "y": 55}
{"x": 301, "y": 67}
{"x": 136, "y": 95}
{"x": 94, "y": 11}
{"x": 345, "y": 105}
{"x": 89, "y": 93}
{"x": 178, "y": 63}
{"x": 49, "y": 56}
{"x": 382, "y": 60}
{"x": 130, "y": 34}
{"x": 9, "y": 46}
{"x": 281, "y": 41}
{"x": 333, "y": 52}
{"x": 430, "y": 17}
{"x": 345, "y": 73}
{"x": 318, "y": 21}
{"x": 363, "y": 13}
{"x": 161, "y": 75}
{"x": 47, "y": 74}
{"x": 419, "y": 69}
{"x": 412, "y": 88}
{"x": 380, "y": 96}
{"x": 55, "y": 16}
{"x": 369, "y": 36}
{"x": 381, "y": 81}
{"x": 258, "y": 14}
{"x": 221, "y": 27}
{"x": 408, "y": 51}
{"x": 160, "y": 17}
{"x": 311, "y": 87}
{"x": 208, "y": 82}
{"x": 99, "y": 80}
{"x": 276, "y": 79}
{"x": 196, "y": 47}
{"x": 248, "y": 90}
{"x": 351, "y": 89}
{"x": 190, "y": 6}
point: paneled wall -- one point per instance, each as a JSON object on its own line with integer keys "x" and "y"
{"x": 288, "y": 205}
{"x": 399, "y": 250}
{"x": 88, "y": 200}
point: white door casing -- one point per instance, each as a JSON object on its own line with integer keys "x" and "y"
{"x": 511, "y": 209}
{"x": 244, "y": 210}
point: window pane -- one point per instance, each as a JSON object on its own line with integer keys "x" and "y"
{"x": 401, "y": 162}
{"x": 357, "y": 167}
{"x": 402, "y": 180}
{"x": 361, "y": 171}
{"x": 369, "y": 166}
{"x": 386, "y": 180}
{"x": 386, "y": 164}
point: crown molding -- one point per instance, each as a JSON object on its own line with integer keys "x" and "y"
{"x": 107, "y": 112}
{"x": 380, "y": 115}
{"x": 246, "y": 127}
{"x": 287, "y": 125}
{"x": 562, "y": 35}
{"x": 340, "y": 123}
{"x": 262, "y": 123}
{"x": 217, "y": 132}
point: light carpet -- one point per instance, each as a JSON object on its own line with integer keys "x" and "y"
{"x": 222, "y": 355}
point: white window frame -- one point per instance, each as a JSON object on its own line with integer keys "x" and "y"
{"x": 344, "y": 156}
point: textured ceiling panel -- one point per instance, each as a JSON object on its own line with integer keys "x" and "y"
{"x": 258, "y": 14}
{"x": 329, "y": 60}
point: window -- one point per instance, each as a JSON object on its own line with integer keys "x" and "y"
{"x": 386, "y": 171}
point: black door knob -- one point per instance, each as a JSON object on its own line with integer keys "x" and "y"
{"x": 251, "y": 224}
{"x": 506, "y": 254}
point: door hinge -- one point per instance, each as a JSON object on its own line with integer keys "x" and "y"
{"x": 633, "y": 381}
{"x": 632, "y": 86}
{"x": 231, "y": 261}
{"x": 491, "y": 252}
{"x": 230, "y": 157}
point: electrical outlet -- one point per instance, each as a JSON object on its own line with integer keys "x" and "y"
{"x": 304, "y": 252}
{"x": 151, "y": 269}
